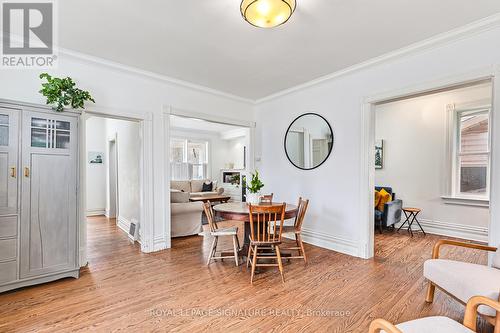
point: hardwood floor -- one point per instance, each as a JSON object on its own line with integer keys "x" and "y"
{"x": 125, "y": 290}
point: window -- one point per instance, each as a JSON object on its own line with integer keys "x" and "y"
{"x": 188, "y": 159}
{"x": 48, "y": 133}
{"x": 471, "y": 155}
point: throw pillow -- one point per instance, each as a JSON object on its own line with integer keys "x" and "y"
{"x": 496, "y": 258}
{"x": 377, "y": 198}
{"x": 385, "y": 197}
{"x": 207, "y": 187}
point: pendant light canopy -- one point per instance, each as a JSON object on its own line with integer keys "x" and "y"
{"x": 267, "y": 13}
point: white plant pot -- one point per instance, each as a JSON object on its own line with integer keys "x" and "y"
{"x": 253, "y": 198}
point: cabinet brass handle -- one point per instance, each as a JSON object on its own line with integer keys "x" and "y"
{"x": 13, "y": 172}
{"x": 26, "y": 172}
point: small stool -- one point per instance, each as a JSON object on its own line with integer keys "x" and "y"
{"x": 411, "y": 216}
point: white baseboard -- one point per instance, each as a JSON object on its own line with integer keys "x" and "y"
{"x": 108, "y": 215}
{"x": 83, "y": 256}
{"x": 159, "y": 244}
{"x": 474, "y": 233}
{"x": 96, "y": 211}
{"x": 124, "y": 224}
{"x": 330, "y": 242}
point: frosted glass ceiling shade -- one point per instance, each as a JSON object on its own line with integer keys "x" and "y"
{"x": 267, "y": 13}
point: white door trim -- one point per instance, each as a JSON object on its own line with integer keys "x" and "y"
{"x": 110, "y": 141}
{"x": 367, "y": 167}
{"x": 145, "y": 121}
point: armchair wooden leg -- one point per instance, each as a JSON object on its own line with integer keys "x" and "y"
{"x": 254, "y": 263}
{"x": 235, "y": 247}
{"x": 431, "y": 288}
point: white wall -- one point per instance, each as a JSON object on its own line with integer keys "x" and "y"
{"x": 127, "y": 134}
{"x": 415, "y": 137}
{"x": 336, "y": 219}
{"x": 96, "y": 173}
{"x": 235, "y": 151}
{"x": 119, "y": 90}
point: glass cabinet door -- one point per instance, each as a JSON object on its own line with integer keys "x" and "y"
{"x": 8, "y": 160}
{"x": 50, "y": 133}
{"x": 49, "y": 193}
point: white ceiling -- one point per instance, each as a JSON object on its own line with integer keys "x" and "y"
{"x": 206, "y": 42}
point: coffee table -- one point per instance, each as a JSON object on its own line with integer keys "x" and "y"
{"x": 211, "y": 198}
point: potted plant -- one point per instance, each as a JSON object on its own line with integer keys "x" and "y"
{"x": 62, "y": 92}
{"x": 254, "y": 187}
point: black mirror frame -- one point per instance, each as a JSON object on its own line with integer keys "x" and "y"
{"x": 286, "y": 135}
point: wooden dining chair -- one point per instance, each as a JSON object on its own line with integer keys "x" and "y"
{"x": 266, "y": 226}
{"x": 296, "y": 230}
{"x": 267, "y": 198}
{"x": 216, "y": 232}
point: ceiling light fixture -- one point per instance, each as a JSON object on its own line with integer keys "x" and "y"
{"x": 267, "y": 13}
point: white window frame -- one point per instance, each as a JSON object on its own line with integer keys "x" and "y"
{"x": 452, "y": 192}
{"x": 185, "y": 154}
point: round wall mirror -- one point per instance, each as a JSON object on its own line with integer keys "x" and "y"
{"x": 309, "y": 141}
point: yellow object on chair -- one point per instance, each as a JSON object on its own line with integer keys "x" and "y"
{"x": 377, "y": 199}
{"x": 385, "y": 197}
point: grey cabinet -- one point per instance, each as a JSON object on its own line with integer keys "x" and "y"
{"x": 9, "y": 210}
{"x": 9, "y": 141}
{"x": 38, "y": 198}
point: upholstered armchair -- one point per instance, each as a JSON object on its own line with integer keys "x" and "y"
{"x": 462, "y": 280}
{"x": 440, "y": 324}
{"x": 392, "y": 211}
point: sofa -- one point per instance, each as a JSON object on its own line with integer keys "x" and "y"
{"x": 391, "y": 213}
{"x": 194, "y": 187}
{"x": 185, "y": 215}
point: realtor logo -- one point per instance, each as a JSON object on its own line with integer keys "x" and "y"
{"x": 28, "y": 34}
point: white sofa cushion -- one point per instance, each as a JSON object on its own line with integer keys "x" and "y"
{"x": 433, "y": 325}
{"x": 197, "y": 185}
{"x": 203, "y": 194}
{"x": 464, "y": 280}
{"x": 179, "y": 197}
{"x": 496, "y": 258}
{"x": 181, "y": 185}
{"x": 186, "y": 219}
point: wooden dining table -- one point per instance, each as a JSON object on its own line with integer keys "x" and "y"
{"x": 239, "y": 211}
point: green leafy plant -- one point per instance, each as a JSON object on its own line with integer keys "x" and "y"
{"x": 62, "y": 92}
{"x": 255, "y": 184}
{"x": 235, "y": 179}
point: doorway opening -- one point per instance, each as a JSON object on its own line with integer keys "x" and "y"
{"x": 432, "y": 163}
{"x": 112, "y": 186}
{"x": 208, "y": 157}
{"x": 113, "y": 179}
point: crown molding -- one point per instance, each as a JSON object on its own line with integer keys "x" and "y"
{"x": 439, "y": 40}
{"x": 151, "y": 75}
